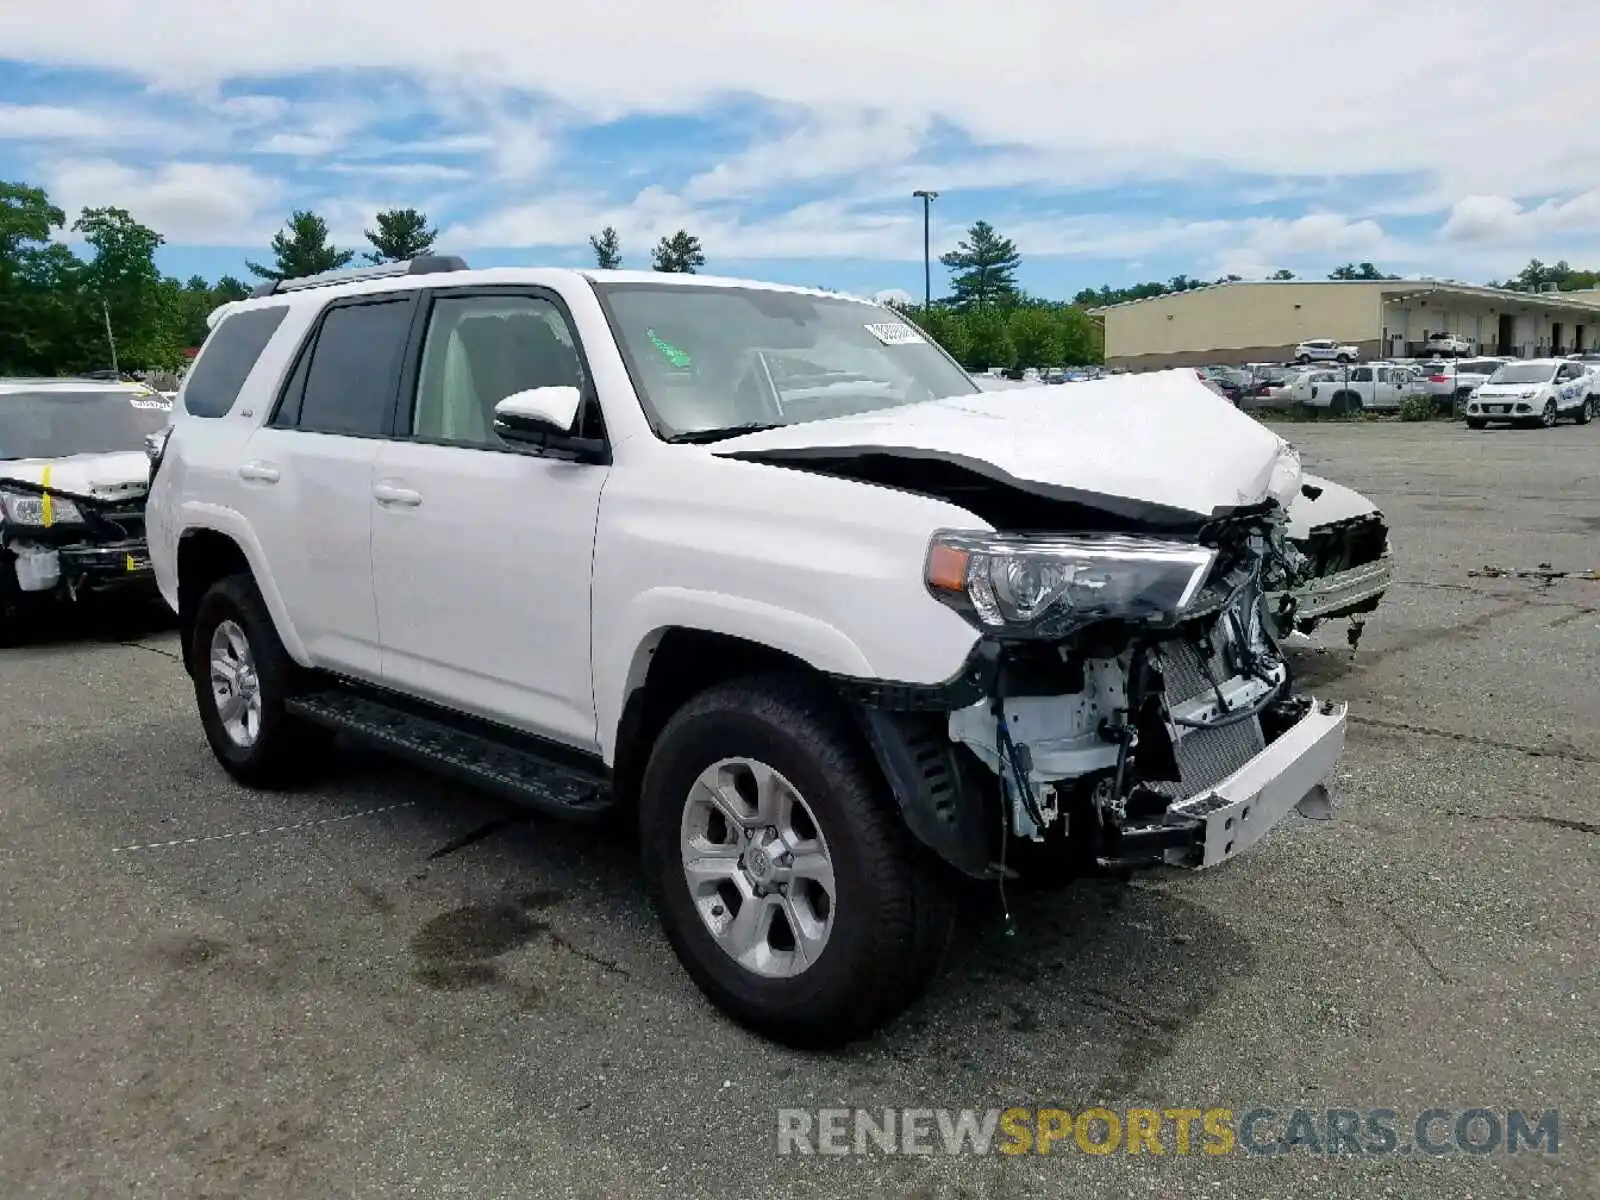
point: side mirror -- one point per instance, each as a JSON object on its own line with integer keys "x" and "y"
{"x": 537, "y": 414}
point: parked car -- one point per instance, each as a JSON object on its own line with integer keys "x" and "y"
{"x": 1373, "y": 385}
{"x": 1297, "y": 389}
{"x": 1537, "y": 391}
{"x": 1448, "y": 344}
{"x": 1325, "y": 350}
{"x": 562, "y": 533}
{"x": 73, "y": 476}
{"x": 1452, "y": 383}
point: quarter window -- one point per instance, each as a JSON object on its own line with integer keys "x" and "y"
{"x": 229, "y": 356}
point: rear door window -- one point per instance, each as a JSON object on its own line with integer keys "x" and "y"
{"x": 229, "y": 356}
{"x": 348, "y": 383}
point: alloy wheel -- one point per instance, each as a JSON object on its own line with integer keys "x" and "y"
{"x": 758, "y": 868}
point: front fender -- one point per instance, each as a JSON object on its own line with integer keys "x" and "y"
{"x": 622, "y": 659}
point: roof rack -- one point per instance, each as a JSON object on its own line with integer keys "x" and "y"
{"x": 424, "y": 264}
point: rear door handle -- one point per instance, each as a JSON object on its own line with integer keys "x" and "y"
{"x": 260, "y": 472}
{"x": 388, "y": 493}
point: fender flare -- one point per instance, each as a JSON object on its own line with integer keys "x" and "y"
{"x": 195, "y": 516}
{"x": 622, "y": 658}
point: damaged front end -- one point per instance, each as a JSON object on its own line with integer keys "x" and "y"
{"x": 68, "y": 544}
{"x": 1128, "y": 705}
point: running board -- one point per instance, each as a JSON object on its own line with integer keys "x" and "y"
{"x": 484, "y": 756}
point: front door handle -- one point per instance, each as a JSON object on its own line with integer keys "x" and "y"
{"x": 259, "y": 472}
{"x": 388, "y": 493}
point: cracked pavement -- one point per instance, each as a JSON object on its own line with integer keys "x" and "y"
{"x": 386, "y": 986}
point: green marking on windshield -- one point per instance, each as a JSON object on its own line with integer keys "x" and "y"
{"x": 676, "y": 357}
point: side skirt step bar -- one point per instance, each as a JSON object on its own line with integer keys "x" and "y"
{"x": 478, "y": 756}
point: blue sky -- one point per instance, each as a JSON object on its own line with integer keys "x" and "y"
{"x": 1114, "y": 142}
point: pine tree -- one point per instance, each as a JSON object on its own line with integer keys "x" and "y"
{"x": 984, "y": 268}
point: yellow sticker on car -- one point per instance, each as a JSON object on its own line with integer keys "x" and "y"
{"x": 47, "y": 508}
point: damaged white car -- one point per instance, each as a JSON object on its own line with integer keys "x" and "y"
{"x": 73, "y": 476}
{"x": 757, "y": 567}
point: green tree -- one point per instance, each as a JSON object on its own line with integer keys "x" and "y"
{"x": 228, "y": 288}
{"x": 988, "y": 340}
{"x": 1359, "y": 271}
{"x": 145, "y": 311}
{"x": 402, "y": 234}
{"x": 36, "y": 278}
{"x": 1035, "y": 336}
{"x": 1281, "y": 273}
{"x": 983, "y": 269}
{"x": 301, "y": 248}
{"x": 680, "y": 254}
{"x": 607, "y": 247}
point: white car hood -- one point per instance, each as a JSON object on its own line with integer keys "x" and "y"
{"x": 120, "y": 475}
{"x": 1127, "y": 443}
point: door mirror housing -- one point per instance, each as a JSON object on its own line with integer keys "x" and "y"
{"x": 542, "y": 412}
{"x": 540, "y": 421}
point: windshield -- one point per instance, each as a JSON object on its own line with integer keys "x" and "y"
{"x": 1486, "y": 367}
{"x": 1524, "y": 373}
{"x": 55, "y": 423}
{"x": 708, "y": 359}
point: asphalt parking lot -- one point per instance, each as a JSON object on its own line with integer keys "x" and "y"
{"x": 345, "y": 992}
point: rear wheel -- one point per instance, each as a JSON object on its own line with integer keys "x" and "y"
{"x": 787, "y": 885}
{"x": 242, "y": 678}
{"x": 1344, "y": 403}
{"x": 1586, "y": 411}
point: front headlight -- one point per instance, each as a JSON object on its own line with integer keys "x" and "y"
{"x": 27, "y": 508}
{"x": 1050, "y": 586}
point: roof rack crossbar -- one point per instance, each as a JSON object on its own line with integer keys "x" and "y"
{"x": 425, "y": 264}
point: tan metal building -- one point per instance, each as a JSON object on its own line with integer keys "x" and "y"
{"x": 1230, "y": 323}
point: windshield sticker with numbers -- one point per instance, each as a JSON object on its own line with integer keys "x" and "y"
{"x": 895, "y": 334}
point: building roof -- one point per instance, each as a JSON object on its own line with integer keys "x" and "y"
{"x": 1587, "y": 301}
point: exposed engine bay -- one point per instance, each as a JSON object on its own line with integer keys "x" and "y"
{"x": 1101, "y": 739}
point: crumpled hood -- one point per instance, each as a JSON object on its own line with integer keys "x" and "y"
{"x": 1125, "y": 442}
{"x": 119, "y": 475}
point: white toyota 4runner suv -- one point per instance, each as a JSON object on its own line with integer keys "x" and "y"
{"x": 758, "y": 567}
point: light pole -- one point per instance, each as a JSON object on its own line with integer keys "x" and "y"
{"x": 927, "y": 262}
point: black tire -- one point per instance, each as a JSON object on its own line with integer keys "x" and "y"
{"x": 1477, "y": 423}
{"x": 1341, "y": 358}
{"x": 1304, "y": 358}
{"x": 1548, "y": 416}
{"x": 893, "y": 916}
{"x": 1344, "y": 403}
{"x": 286, "y": 750}
{"x": 1586, "y": 412}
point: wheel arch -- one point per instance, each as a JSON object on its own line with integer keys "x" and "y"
{"x": 208, "y": 552}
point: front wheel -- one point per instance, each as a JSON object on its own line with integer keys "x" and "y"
{"x": 787, "y": 885}
{"x": 1586, "y": 412}
{"x": 242, "y": 678}
{"x": 1547, "y": 417}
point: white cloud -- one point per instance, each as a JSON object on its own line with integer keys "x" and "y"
{"x": 1082, "y": 78}
{"x": 1500, "y": 219}
{"x": 195, "y": 204}
{"x": 828, "y": 146}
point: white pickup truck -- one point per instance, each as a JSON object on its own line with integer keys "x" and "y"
{"x": 1372, "y": 386}
{"x": 759, "y": 568}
